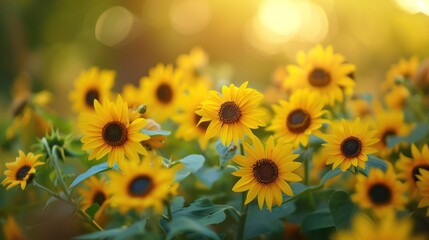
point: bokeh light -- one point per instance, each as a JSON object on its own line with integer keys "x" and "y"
{"x": 190, "y": 16}
{"x": 114, "y": 25}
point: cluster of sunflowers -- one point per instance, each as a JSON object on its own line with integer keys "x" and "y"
{"x": 175, "y": 159}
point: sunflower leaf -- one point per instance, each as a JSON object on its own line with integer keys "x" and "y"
{"x": 192, "y": 163}
{"x": 156, "y": 132}
{"x": 92, "y": 210}
{"x": 373, "y": 162}
{"x": 300, "y": 190}
{"x": 417, "y": 134}
{"x": 137, "y": 229}
{"x": 342, "y": 209}
{"x": 225, "y": 153}
{"x": 330, "y": 174}
{"x": 186, "y": 225}
{"x": 91, "y": 172}
{"x": 316, "y": 220}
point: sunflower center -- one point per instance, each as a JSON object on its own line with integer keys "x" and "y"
{"x": 386, "y": 134}
{"x": 229, "y": 112}
{"x": 19, "y": 108}
{"x": 99, "y": 198}
{"x": 265, "y": 171}
{"x": 115, "y": 133}
{"x": 379, "y": 194}
{"x": 140, "y": 186}
{"x": 90, "y": 96}
{"x": 22, "y": 172}
{"x": 351, "y": 147}
{"x": 204, "y": 125}
{"x": 298, "y": 121}
{"x": 416, "y": 171}
{"x": 164, "y": 93}
{"x": 319, "y": 78}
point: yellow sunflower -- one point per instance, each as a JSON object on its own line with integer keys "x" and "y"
{"x": 265, "y": 173}
{"x": 162, "y": 89}
{"x": 324, "y": 71}
{"x": 95, "y": 191}
{"x": 359, "y": 107}
{"x": 389, "y": 123}
{"x": 380, "y": 191}
{"x": 349, "y": 144}
{"x": 142, "y": 185}
{"x": 396, "y": 98}
{"x": 109, "y": 131}
{"x": 190, "y": 63}
{"x": 93, "y": 84}
{"x": 423, "y": 188}
{"x": 232, "y": 114}
{"x": 22, "y": 171}
{"x": 297, "y": 119}
{"x": 406, "y": 68}
{"x": 409, "y": 167}
{"x": 12, "y": 231}
{"x": 188, "y": 119}
{"x": 155, "y": 142}
{"x": 387, "y": 227}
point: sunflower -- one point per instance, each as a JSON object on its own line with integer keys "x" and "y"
{"x": 406, "y": 68}
{"x": 11, "y": 230}
{"x": 22, "y": 171}
{"x": 232, "y": 114}
{"x": 188, "y": 120}
{"x": 409, "y": 167}
{"x": 380, "y": 191}
{"x": 157, "y": 141}
{"x": 163, "y": 89}
{"x": 324, "y": 71}
{"x": 94, "y": 192}
{"x": 359, "y": 107}
{"x": 388, "y": 227}
{"x": 265, "y": 173}
{"x": 132, "y": 96}
{"x": 190, "y": 63}
{"x": 93, "y": 84}
{"x": 349, "y": 144}
{"x": 396, "y": 98}
{"x": 298, "y": 118}
{"x": 389, "y": 123}
{"x": 142, "y": 185}
{"x": 109, "y": 131}
{"x": 423, "y": 188}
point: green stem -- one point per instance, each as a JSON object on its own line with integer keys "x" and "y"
{"x": 307, "y": 176}
{"x": 243, "y": 217}
{"x": 153, "y": 220}
{"x": 170, "y": 215}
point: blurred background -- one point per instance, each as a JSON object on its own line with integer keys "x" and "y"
{"x": 47, "y": 43}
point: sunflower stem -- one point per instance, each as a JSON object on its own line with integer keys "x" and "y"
{"x": 170, "y": 215}
{"x": 307, "y": 176}
{"x": 154, "y": 226}
{"x": 243, "y": 217}
{"x": 49, "y": 191}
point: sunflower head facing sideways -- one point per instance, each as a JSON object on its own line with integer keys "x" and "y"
{"x": 405, "y": 68}
{"x": 409, "y": 167}
{"x": 163, "y": 89}
{"x": 423, "y": 189}
{"x": 22, "y": 171}
{"x": 295, "y": 120}
{"x": 349, "y": 144}
{"x": 380, "y": 191}
{"x": 95, "y": 191}
{"x": 142, "y": 185}
{"x": 266, "y": 172}
{"x": 109, "y": 131}
{"x": 93, "y": 84}
{"x": 232, "y": 114}
{"x": 324, "y": 71}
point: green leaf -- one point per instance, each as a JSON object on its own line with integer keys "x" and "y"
{"x": 92, "y": 210}
{"x": 204, "y": 211}
{"x": 225, "y": 153}
{"x": 300, "y": 190}
{"x": 373, "y": 162}
{"x": 192, "y": 164}
{"x": 210, "y": 175}
{"x": 91, "y": 172}
{"x": 137, "y": 229}
{"x": 176, "y": 204}
{"x": 330, "y": 174}
{"x": 342, "y": 209}
{"x": 418, "y": 133}
{"x": 316, "y": 220}
{"x": 183, "y": 224}
{"x": 156, "y": 132}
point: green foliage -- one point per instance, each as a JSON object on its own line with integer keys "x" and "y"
{"x": 183, "y": 224}
{"x": 153, "y": 133}
{"x": 91, "y": 172}
{"x": 316, "y": 220}
{"x": 373, "y": 162}
{"x": 417, "y": 134}
{"x": 135, "y": 231}
{"x": 92, "y": 210}
{"x": 342, "y": 209}
{"x": 225, "y": 153}
{"x": 192, "y": 164}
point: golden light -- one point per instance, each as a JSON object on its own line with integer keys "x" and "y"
{"x": 280, "y": 16}
{"x": 114, "y": 25}
{"x": 314, "y": 24}
{"x": 190, "y": 16}
{"x": 414, "y": 6}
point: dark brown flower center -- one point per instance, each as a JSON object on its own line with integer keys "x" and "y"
{"x": 265, "y": 171}
{"x": 351, "y": 147}
{"x": 164, "y": 93}
{"x": 115, "y": 133}
{"x": 298, "y": 121}
{"x": 90, "y": 96}
{"x": 140, "y": 186}
{"x": 229, "y": 112}
{"x": 416, "y": 171}
{"x": 22, "y": 172}
{"x": 99, "y": 198}
{"x": 18, "y": 109}
{"x": 387, "y": 133}
{"x": 380, "y": 194}
{"x": 319, "y": 78}
{"x": 204, "y": 125}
